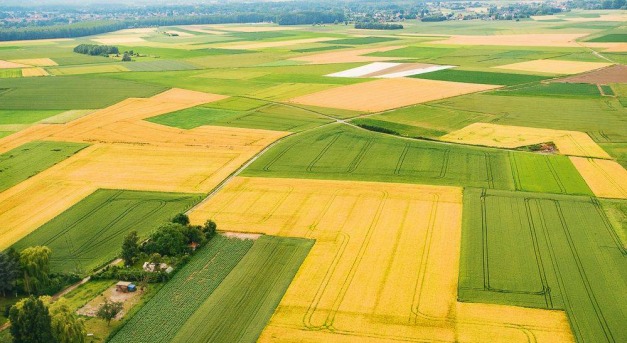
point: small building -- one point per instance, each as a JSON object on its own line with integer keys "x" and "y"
{"x": 125, "y": 286}
{"x": 153, "y": 267}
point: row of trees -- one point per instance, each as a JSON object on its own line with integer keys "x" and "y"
{"x": 36, "y": 320}
{"x": 96, "y": 50}
{"x": 29, "y": 272}
{"x": 310, "y": 17}
{"x": 371, "y": 25}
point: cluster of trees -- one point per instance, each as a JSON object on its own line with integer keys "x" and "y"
{"x": 432, "y": 18}
{"x": 614, "y": 4}
{"x": 370, "y": 25}
{"x": 96, "y": 50}
{"x": 35, "y": 320}
{"x": 310, "y": 17}
{"x": 28, "y": 272}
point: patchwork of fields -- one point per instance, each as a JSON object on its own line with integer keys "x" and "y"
{"x": 456, "y": 181}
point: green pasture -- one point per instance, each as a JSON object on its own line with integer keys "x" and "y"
{"x": 617, "y": 151}
{"x": 361, "y": 40}
{"x": 158, "y": 65}
{"x": 32, "y": 158}
{"x": 91, "y": 232}
{"x": 610, "y": 38}
{"x": 10, "y": 73}
{"x": 263, "y": 276}
{"x": 553, "y": 252}
{"x": 164, "y": 315}
{"x": 341, "y": 152}
{"x": 69, "y": 92}
{"x": 553, "y": 90}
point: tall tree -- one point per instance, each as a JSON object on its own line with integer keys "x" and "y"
{"x": 35, "y": 263}
{"x": 30, "y": 321}
{"x": 130, "y": 248}
{"x": 65, "y": 324}
{"x": 9, "y": 272}
{"x": 109, "y": 310}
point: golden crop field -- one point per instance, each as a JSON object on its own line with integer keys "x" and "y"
{"x": 37, "y": 71}
{"x": 607, "y": 179}
{"x": 127, "y": 153}
{"x": 37, "y": 62}
{"x": 502, "y": 136}
{"x": 385, "y": 94}
{"x": 555, "y": 66}
{"x": 384, "y": 267}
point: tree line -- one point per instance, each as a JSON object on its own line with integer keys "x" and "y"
{"x": 371, "y": 25}
{"x": 96, "y": 50}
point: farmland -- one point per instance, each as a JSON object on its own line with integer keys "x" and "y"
{"x": 90, "y": 233}
{"x": 263, "y": 275}
{"x": 32, "y": 158}
{"x": 336, "y": 152}
{"x": 448, "y": 181}
{"x": 546, "y": 252}
{"x": 186, "y": 292}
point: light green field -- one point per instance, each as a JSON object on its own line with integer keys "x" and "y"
{"x": 488, "y": 78}
{"x": 91, "y": 232}
{"x": 263, "y": 275}
{"x": 69, "y": 92}
{"x": 185, "y": 292}
{"x": 545, "y": 251}
{"x": 32, "y": 158}
{"x": 269, "y": 116}
{"x": 345, "y": 153}
{"x": 24, "y": 117}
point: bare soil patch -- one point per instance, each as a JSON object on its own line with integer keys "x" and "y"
{"x": 613, "y": 74}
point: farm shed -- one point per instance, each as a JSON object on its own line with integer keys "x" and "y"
{"x": 125, "y": 286}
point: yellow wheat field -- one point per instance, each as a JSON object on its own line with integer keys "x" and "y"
{"x": 37, "y": 62}
{"x": 10, "y": 65}
{"x": 555, "y": 66}
{"x": 606, "y": 179}
{"x": 503, "y": 136}
{"x": 384, "y": 266}
{"x": 387, "y": 94}
{"x": 31, "y": 72}
{"x": 127, "y": 153}
{"x": 348, "y": 56}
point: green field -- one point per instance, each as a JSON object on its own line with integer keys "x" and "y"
{"x": 481, "y": 77}
{"x": 31, "y": 159}
{"x": 263, "y": 276}
{"x": 269, "y": 116}
{"x": 165, "y": 314}
{"x": 607, "y": 90}
{"x": 361, "y": 40}
{"x": 25, "y": 117}
{"x": 69, "y": 92}
{"x": 553, "y": 90}
{"x": 91, "y": 232}
{"x": 159, "y": 65}
{"x": 9, "y": 73}
{"x": 610, "y": 38}
{"x": 345, "y": 153}
{"x": 601, "y": 117}
{"x": 545, "y": 251}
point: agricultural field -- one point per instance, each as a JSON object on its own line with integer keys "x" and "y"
{"x": 345, "y": 153}
{"x": 89, "y": 234}
{"x": 384, "y": 265}
{"x": 32, "y": 158}
{"x": 536, "y": 250}
{"x": 450, "y": 181}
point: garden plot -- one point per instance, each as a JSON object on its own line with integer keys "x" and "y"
{"x": 384, "y": 266}
{"x": 567, "y": 142}
{"x": 555, "y": 66}
{"x": 381, "y": 95}
{"x": 386, "y": 70}
{"x": 607, "y": 179}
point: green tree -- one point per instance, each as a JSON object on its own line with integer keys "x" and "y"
{"x": 126, "y": 57}
{"x": 168, "y": 240}
{"x": 210, "y": 228}
{"x": 130, "y": 248}
{"x": 65, "y": 325}
{"x": 35, "y": 263}
{"x": 181, "y": 218}
{"x": 9, "y": 272}
{"x": 193, "y": 234}
{"x": 109, "y": 310}
{"x": 30, "y": 321}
